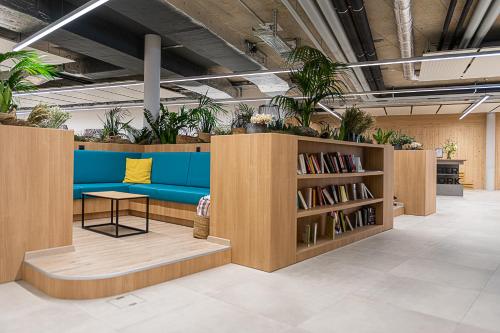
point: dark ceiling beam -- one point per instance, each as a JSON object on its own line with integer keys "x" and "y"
{"x": 446, "y": 24}
{"x": 459, "y": 29}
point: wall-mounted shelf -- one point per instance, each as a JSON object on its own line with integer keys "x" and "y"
{"x": 341, "y": 206}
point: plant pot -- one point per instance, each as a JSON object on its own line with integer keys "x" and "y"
{"x": 9, "y": 117}
{"x": 205, "y": 137}
{"x": 398, "y": 147}
{"x": 238, "y": 130}
{"x": 257, "y": 128}
{"x": 305, "y": 131}
{"x": 187, "y": 139}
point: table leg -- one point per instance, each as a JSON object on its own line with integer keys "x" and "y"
{"x": 112, "y": 212}
{"x": 83, "y": 211}
{"x": 117, "y": 210}
{"x": 147, "y": 214}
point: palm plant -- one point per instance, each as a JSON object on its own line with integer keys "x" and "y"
{"x": 26, "y": 63}
{"x": 356, "y": 122}
{"x": 242, "y": 115}
{"x": 316, "y": 79}
{"x": 166, "y": 126}
{"x": 382, "y": 137}
{"x": 141, "y": 136}
{"x": 113, "y": 123}
{"x": 206, "y": 113}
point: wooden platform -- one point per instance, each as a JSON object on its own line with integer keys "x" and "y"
{"x": 100, "y": 266}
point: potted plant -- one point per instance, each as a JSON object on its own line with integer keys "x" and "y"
{"x": 314, "y": 75}
{"x": 206, "y": 114}
{"x": 355, "y": 123}
{"x": 259, "y": 122}
{"x": 382, "y": 137}
{"x": 114, "y": 128}
{"x": 414, "y": 146}
{"x": 25, "y": 64}
{"x": 166, "y": 126}
{"x": 398, "y": 140}
{"x": 450, "y": 147}
{"x": 241, "y": 118}
{"x": 47, "y": 116}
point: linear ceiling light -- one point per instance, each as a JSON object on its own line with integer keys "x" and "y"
{"x": 473, "y": 107}
{"x": 330, "y": 111}
{"x": 80, "y": 11}
{"x": 80, "y": 88}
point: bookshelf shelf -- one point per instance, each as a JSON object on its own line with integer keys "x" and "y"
{"x": 340, "y": 175}
{"x": 324, "y": 245}
{"x": 254, "y": 185}
{"x": 341, "y": 206}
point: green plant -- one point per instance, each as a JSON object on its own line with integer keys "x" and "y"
{"x": 39, "y": 114}
{"x": 26, "y": 63}
{"x": 316, "y": 79}
{"x": 382, "y": 137}
{"x": 356, "y": 121}
{"x": 113, "y": 123}
{"x": 222, "y": 130}
{"x": 141, "y": 136}
{"x": 450, "y": 147}
{"x": 49, "y": 116}
{"x": 206, "y": 114}
{"x": 242, "y": 115}
{"x": 400, "y": 139}
{"x": 166, "y": 126}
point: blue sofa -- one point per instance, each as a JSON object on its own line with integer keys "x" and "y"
{"x": 176, "y": 177}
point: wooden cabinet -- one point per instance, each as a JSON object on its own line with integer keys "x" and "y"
{"x": 254, "y": 186}
{"x": 415, "y": 180}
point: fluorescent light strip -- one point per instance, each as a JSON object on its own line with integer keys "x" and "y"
{"x": 420, "y": 90}
{"x": 327, "y": 109}
{"x": 80, "y": 88}
{"x": 80, "y": 11}
{"x": 226, "y": 76}
{"x": 473, "y": 107}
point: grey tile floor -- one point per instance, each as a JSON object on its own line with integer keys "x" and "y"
{"x": 430, "y": 274}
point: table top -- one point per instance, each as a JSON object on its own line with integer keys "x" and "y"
{"x": 115, "y": 195}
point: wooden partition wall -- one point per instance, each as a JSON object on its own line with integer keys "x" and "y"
{"x": 36, "y": 177}
{"x": 129, "y": 147}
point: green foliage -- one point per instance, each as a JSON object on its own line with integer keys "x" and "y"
{"x": 356, "y": 121}
{"x": 242, "y": 115}
{"x": 222, "y": 130}
{"x": 382, "y": 137}
{"x": 400, "y": 139}
{"x": 206, "y": 114}
{"x": 47, "y": 116}
{"x": 113, "y": 123}
{"x": 141, "y": 136}
{"x": 26, "y": 63}
{"x": 315, "y": 80}
{"x": 166, "y": 126}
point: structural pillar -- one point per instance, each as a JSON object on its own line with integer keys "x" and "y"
{"x": 152, "y": 67}
{"x": 490, "y": 151}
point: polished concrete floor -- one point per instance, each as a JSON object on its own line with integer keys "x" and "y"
{"x": 430, "y": 274}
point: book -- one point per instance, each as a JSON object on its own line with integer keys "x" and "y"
{"x": 328, "y": 197}
{"x": 343, "y": 194}
{"x": 314, "y": 233}
{"x": 331, "y": 224}
{"x": 357, "y": 164}
{"x": 302, "y": 163}
{"x": 302, "y": 201}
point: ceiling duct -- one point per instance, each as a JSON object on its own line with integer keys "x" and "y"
{"x": 404, "y": 21}
{"x": 486, "y": 24}
{"x": 474, "y": 22}
{"x": 446, "y": 25}
{"x": 459, "y": 29}
{"x": 268, "y": 33}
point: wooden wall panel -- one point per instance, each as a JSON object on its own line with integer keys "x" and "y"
{"x": 433, "y": 130}
{"x": 36, "y": 209}
{"x": 129, "y": 147}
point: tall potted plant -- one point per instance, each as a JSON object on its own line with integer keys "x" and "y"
{"x": 115, "y": 128}
{"x": 206, "y": 114}
{"x": 314, "y": 75}
{"x": 166, "y": 126}
{"x": 241, "y": 118}
{"x": 26, "y": 64}
{"x": 355, "y": 123}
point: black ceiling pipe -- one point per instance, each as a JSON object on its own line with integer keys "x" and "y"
{"x": 352, "y": 35}
{"x": 446, "y": 25}
{"x": 364, "y": 33}
{"x": 459, "y": 30}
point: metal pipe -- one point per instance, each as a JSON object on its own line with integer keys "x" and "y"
{"x": 404, "y": 21}
{"x": 459, "y": 30}
{"x": 474, "y": 22}
{"x": 446, "y": 25}
{"x": 486, "y": 24}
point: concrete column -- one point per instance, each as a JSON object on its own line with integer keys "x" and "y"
{"x": 490, "y": 151}
{"x": 152, "y": 66}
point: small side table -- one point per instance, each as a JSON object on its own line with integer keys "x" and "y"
{"x": 115, "y": 196}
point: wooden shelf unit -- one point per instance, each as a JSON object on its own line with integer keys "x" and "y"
{"x": 254, "y": 186}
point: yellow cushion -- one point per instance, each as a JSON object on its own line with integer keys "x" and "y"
{"x": 138, "y": 171}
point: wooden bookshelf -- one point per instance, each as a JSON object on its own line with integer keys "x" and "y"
{"x": 340, "y": 175}
{"x": 340, "y": 206}
{"x": 254, "y": 185}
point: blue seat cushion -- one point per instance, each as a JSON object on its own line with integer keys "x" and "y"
{"x": 199, "y": 170}
{"x": 99, "y": 187}
{"x": 95, "y": 166}
{"x": 147, "y": 189}
{"x": 169, "y": 168}
{"x": 174, "y": 193}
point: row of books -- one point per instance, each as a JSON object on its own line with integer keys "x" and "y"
{"x": 337, "y": 223}
{"x": 311, "y": 197}
{"x": 328, "y": 163}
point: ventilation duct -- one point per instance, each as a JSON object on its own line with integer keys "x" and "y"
{"x": 486, "y": 24}
{"x": 474, "y": 22}
{"x": 269, "y": 36}
{"x": 404, "y": 21}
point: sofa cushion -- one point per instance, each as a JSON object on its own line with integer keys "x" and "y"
{"x": 95, "y": 166}
{"x": 77, "y": 192}
{"x": 138, "y": 170}
{"x": 182, "y": 194}
{"x": 147, "y": 189}
{"x": 199, "y": 170}
{"x": 100, "y": 187}
{"x": 169, "y": 168}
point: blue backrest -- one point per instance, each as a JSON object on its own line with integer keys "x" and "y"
{"x": 169, "y": 168}
{"x": 199, "y": 170}
{"x": 96, "y": 166}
